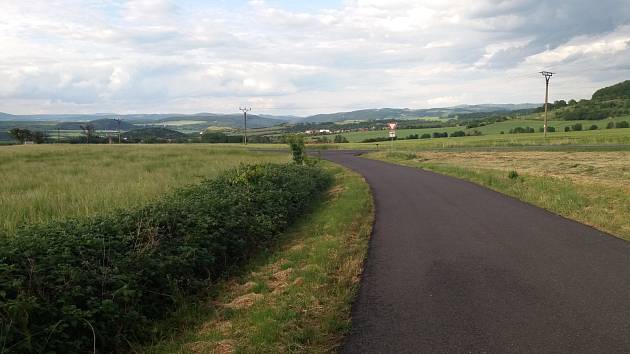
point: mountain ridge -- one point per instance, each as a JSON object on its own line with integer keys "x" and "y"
{"x": 264, "y": 120}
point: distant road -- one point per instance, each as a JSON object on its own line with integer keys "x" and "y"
{"x": 456, "y": 268}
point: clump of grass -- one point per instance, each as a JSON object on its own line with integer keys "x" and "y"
{"x": 513, "y": 175}
{"x": 401, "y": 155}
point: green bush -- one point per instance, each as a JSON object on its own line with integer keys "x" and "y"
{"x": 576, "y": 127}
{"x": 440, "y": 135}
{"x": 513, "y": 175}
{"x": 340, "y": 139}
{"x": 521, "y": 130}
{"x": 593, "y": 127}
{"x": 610, "y": 125}
{"x": 425, "y": 136}
{"x": 458, "y": 133}
{"x": 622, "y": 124}
{"x": 114, "y": 276}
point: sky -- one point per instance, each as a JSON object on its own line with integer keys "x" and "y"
{"x": 303, "y": 57}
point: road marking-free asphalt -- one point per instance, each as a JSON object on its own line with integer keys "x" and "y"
{"x": 453, "y": 267}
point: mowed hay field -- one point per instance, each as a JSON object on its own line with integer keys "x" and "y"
{"x": 590, "y": 187}
{"x": 48, "y": 182}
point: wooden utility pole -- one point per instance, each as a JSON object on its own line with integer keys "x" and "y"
{"x": 547, "y": 76}
{"x": 245, "y": 110}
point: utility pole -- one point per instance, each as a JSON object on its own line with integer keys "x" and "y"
{"x": 245, "y": 110}
{"x": 118, "y": 123}
{"x": 547, "y": 76}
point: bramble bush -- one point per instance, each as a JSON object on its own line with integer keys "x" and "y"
{"x": 113, "y": 277}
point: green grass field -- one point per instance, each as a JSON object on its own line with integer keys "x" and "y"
{"x": 505, "y": 126}
{"x": 491, "y": 129}
{"x": 355, "y": 137}
{"x": 556, "y": 140}
{"x": 47, "y": 182}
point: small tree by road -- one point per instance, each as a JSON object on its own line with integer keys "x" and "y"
{"x": 296, "y": 144}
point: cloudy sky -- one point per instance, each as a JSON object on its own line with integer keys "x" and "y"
{"x": 303, "y": 57}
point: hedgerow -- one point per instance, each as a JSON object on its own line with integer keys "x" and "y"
{"x": 66, "y": 286}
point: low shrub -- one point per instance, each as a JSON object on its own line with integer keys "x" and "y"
{"x": 521, "y": 130}
{"x": 593, "y": 127}
{"x": 440, "y": 135}
{"x": 425, "y": 136}
{"x": 340, "y": 139}
{"x": 513, "y": 175}
{"x": 576, "y": 127}
{"x": 401, "y": 155}
{"x": 458, "y": 133}
{"x": 622, "y": 124}
{"x": 113, "y": 276}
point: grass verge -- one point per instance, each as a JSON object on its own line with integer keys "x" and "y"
{"x": 601, "y": 205}
{"x": 295, "y": 298}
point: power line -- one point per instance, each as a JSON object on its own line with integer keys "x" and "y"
{"x": 547, "y": 75}
{"x": 245, "y": 110}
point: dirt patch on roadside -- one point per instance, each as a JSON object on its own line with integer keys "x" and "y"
{"x": 244, "y": 301}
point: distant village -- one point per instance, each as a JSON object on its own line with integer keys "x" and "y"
{"x": 339, "y": 131}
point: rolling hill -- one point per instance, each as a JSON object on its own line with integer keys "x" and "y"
{"x": 608, "y": 102}
{"x": 405, "y": 113}
{"x": 152, "y": 133}
{"x": 204, "y": 120}
{"x": 617, "y": 91}
{"x": 99, "y": 124}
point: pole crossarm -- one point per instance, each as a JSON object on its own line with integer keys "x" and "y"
{"x": 245, "y": 110}
{"x": 547, "y": 74}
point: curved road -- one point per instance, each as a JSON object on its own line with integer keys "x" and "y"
{"x": 453, "y": 267}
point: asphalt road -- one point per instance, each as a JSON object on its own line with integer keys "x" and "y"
{"x": 456, "y": 268}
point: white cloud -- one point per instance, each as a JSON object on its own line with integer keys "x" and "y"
{"x": 606, "y": 45}
{"x": 160, "y": 55}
